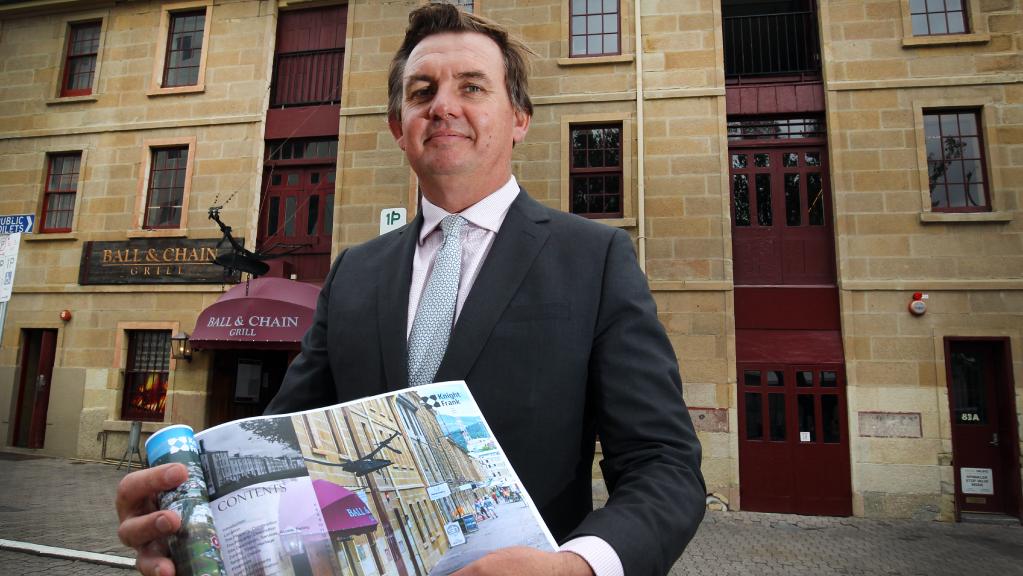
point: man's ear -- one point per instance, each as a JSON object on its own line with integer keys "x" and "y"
{"x": 394, "y": 124}
{"x": 521, "y": 126}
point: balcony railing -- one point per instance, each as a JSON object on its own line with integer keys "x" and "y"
{"x": 307, "y": 78}
{"x": 771, "y": 44}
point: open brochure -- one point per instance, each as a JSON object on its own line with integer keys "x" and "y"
{"x": 406, "y": 483}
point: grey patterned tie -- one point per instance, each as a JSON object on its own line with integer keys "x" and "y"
{"x": 435, "y": 315}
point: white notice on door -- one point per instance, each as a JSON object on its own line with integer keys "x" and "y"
{"x": 804, "y": 436}
{"x": 976, "y": 481}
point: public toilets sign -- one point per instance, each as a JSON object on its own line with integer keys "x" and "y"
{"x": 17, "y": 223}
{"x": 11, "y": 229}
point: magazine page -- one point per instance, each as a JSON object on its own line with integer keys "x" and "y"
{"x": 407, "y": 483}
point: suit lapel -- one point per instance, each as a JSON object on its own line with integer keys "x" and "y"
{"x": 520, "y": 239}
{"x": 392, "y": 295}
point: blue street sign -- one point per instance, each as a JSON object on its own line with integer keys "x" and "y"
{"x": 16, "y": 223}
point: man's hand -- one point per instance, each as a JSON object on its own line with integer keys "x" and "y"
{"x": 144, "y": 526}
{"x": 519, "y": 560}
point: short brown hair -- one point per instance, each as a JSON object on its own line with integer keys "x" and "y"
{"x": 440, "y": 18}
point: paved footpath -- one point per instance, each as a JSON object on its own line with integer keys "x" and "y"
{"x": 69, "y": 504}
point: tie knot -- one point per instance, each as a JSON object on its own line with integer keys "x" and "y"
{"x": 452, "y": 224}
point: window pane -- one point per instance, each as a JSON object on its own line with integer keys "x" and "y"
{"x": 807, "y": 418}
{"x": 936, "y": 22}
{"x": 762, "y": 160}
{"x": 593, "y": 45}
{"x": 594, "y": 24}
{"x": 314, "y": 178}
{"x": 578, "y": 45}
{"x": 776, "y": 415}
{"x": 813, "y": 158}
{"x": 917, "y": 6}
{"x": 740, "y": 194}
{"x": 956, "y": 23}
{"x": 314, "y": 215}
{"x": 790, "y": 159}
{"x": 328, "y": 215}
{"x": 814, "y": 199}
{"x": 578, "y": 6}
{"x": 969, "y": 393}
{"x": 610, "y": 43}
{"x": 792, "y": 215}
{"x": 593, "y": 6}
{"x": 829, "y": 379}
{"x": 611, "y": 6}
{"x": 739, "y": 161}
{"x": 920, "y": 25}
{"x": 830, "y": 419}
{"x": 754, "y": 418}
{"x": 804, "y": 378}
{"x": 935, "y": 5}
{"x": 610, "y": 23}
{"x": 764, "y": 216}
{"x": 775, "y": 378}
{"x": 275, "y": 180}
{"x": 293, "y": 179}
{"x": 751, "y": 377}
{"x": 290, "y": 206}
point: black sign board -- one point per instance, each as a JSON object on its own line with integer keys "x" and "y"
{"x": 154, "y": 261}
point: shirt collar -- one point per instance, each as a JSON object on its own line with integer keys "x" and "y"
{"x": 488, "y": 213}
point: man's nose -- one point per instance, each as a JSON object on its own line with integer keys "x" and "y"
{"x": 445, "y": 104}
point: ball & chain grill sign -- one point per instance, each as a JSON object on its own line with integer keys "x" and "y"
{"x": 154, "y": 261}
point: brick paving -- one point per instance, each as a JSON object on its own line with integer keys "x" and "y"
{"x": 69, "y": 504}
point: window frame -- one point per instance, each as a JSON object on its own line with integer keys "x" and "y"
{"x": 571, "y": 30}
{"x": 157, "y": 85}
{"x": 47, "y": 192}
{"x": 625, "y": 38}
{"x": 142, "y": 194}
{"x": 975, "y": 23}
{"x": 121, "y": 363}
{"x": 964, "y": 8}
{"x": 65, "y": 91}
{"x": 570, "y": 122}
{"x": 996, "y": 210}
{"x": 977, "y": 114}
{"x": 56, "y": 93}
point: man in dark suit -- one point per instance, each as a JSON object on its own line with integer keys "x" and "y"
{"x": 549, "y": 321}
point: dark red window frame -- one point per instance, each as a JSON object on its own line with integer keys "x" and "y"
{"x": 595, "y": 28}
{"x": 939, "y": 17}
{"x": 166, "y": 190}
{"x": 956, "y": 167}
{"x": 185, "y": 38}
{"x": 596, "y": 175}
{"x": 59, "y": 192}
{"x": 146, "y": 375}
{"x": 80, "y": 58}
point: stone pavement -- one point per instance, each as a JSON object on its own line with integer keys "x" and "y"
{"x": 69, "y": 504}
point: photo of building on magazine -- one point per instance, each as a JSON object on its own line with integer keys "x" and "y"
{"x": 409, "y": 483}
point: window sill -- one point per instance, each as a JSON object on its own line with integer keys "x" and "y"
{"x": 945, "y": 39}
{"x": 616, "y": 222}
{"x": 72, "y": 99}
{"x": 583, "y": 61}
{"x": 157, "y": 91}
{"x": 939, "y": 217}
{"x": 166, "y": 233}
{"x": 54, "y": 236}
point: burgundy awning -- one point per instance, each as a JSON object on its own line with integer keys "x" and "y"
{"x": 265, "y": 313}
{"x": 343, "y": 510}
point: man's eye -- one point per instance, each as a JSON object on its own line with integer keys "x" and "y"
{"x": 420, "y": 93}
{"x": 473, "y": 88}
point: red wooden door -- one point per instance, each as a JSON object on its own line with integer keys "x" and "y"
{"x": 781, "y": 215}
{"x": 983, "y": 427}
{"x": 793, "y": 439}
{"x": 309, "y": 59}
{"x": 37, "y": 355}
{"x": 297, "y": 217}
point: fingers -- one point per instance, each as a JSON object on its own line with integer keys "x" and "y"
{"x": 136, "y": 494}
{"x": 140, "y": 531}
{"x": 152, "y": 560}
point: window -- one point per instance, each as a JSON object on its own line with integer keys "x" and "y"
{"x": 80, "y": 62}
{"x": 60, "y": 190}
{"x": 955, "y": 161}
{"x": 184, "y": 48}
{"x": 146, "y": 375}
{"x": 165, "y": 197}
{"x": 594, "y": 28}
{"x": 595, "y": 170}
{"x": 936, "y": 17}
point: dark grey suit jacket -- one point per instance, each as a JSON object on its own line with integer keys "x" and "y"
{"x": 559, "y": 342}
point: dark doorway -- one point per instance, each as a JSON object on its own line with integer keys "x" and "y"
{"x": 243, "y": 382}
{"x": 38, "y": 349}
{"x": 985, "y": 446}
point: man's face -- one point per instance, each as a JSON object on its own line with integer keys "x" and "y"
{"x": 457, "y": 119}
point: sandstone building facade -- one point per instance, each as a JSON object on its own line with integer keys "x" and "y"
{"x": 796, "y": 174}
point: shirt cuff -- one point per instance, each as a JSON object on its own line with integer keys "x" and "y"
{"x": 601, "y": 557}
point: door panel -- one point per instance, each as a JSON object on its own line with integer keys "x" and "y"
{"x": 36, "y": 368}
{"x": 781, "y": 216}
{"x": 297, "y": 217}
{"x": 981, "y": 406}
{"x": 793, "y": 443}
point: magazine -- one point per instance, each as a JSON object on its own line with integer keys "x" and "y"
{"x": 407, "y": 483}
